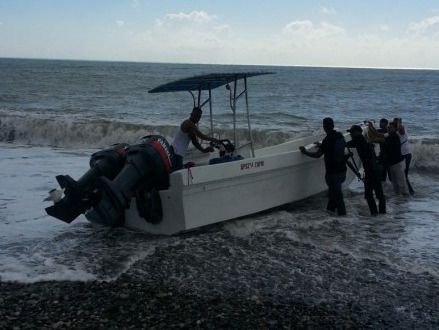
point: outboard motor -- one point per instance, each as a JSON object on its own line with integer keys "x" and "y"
{"x": 147, "y": 168}
{"x": 81, "y": 195}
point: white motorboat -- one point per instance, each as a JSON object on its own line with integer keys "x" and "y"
{"x": 218, "y": 189}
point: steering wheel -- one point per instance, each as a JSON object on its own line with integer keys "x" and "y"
{"x": 228, "y": 146}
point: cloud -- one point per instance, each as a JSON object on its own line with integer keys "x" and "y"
{"x": 202, "y": 37}
{"x": 383, "y": 28}
{"x": 195, "y": 36}
{"x": 327, "y": 11}
{"x": 190, "y": 29}
{"x": 199, "y": 17}
{"x": 206, "y": 38}
{"x": 321, "y": 43}
{"x": 120, "y": 23}
{"x": 429, "y": 24}
{"x": 308, "y": 30}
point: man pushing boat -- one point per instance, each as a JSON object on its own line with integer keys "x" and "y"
{"x": 332, "y": 147}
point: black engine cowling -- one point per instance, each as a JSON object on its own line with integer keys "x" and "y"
{"x": 116, "y": 175}
{"x": 147, "y": 168}
{"x": 82, "y": 194}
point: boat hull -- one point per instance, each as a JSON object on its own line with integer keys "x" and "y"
{"x": 205, "y": 195}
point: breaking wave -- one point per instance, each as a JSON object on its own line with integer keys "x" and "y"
{"x": 425, "y": 154}
{"x": 74, "y": 132}
{"x": 61, "y": 131}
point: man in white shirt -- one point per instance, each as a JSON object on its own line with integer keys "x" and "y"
{"x": 395, "y": 160}
{"x": 405, "y": 150}
{"x": 189, "y": 132}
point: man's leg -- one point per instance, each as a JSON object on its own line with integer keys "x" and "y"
{"x": 338, "y": 193}
{"x": 393, "y": 173}
{"x": 178, "y": 162}
{"x": 368, "y": 193}
{"x": 399, "y": 177}
{"x": 388, "y": 173}
{"x": 331, "y": 201}
{"x": 379, "y": 193}
{"x": 408, "y": 160}
{"x": 383, "y": 174}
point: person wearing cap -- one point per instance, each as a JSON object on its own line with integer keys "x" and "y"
{"x": 372, "y": 179}
{"x": 189, "y": 132}
{"x": 395, "y": 159}
{"x": 332, "y": 147}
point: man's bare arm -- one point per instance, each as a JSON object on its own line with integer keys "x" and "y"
{"x": 190, "y": 128}
{"x": 202, "y": 136}
{"x": 373, "y": 133}
{"x": 196, "y": 143}
{"x": 193, "y": 137}
{"x": 376, "y": 139}
{"x": 312, "y": 154}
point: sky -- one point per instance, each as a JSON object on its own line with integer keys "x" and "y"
{"x": 389, "y": 34}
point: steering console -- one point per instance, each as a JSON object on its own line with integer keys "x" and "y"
{"x": 224, "y": 144}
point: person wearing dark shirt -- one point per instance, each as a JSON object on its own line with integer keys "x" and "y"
{"x": 395, "y": 160}
{"x": 372, "y": 179}
{"x": 332, "y": 147}
{"x": 382, "y": 155}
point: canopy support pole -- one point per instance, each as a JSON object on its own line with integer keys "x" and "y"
{"x": 199, "y": 97}
{"x": 248, "y": 118}
{"x": 193, "y": 97}
{"x": 235, "y": 142}
{"x": 210, "y": 111}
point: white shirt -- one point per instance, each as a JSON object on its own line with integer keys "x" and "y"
{"x": 405, "y": 146}
{"x": 181, "y": 142}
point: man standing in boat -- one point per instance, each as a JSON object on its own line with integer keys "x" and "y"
{"x": 332, "y": 147}
{"x": 189, "y": 132}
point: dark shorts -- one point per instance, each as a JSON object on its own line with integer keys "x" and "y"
{"x": 178, "y": 161}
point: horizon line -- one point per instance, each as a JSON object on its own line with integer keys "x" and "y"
{"x": 224, "y": 64}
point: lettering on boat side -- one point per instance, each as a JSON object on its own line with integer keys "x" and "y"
{"x": 248, "y": 166}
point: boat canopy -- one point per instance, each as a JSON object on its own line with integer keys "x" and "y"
{"x": 204, "y": 82}
{"x": 211, "y": 81}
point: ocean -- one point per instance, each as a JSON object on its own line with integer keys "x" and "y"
{"x": 54, "y": 114}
